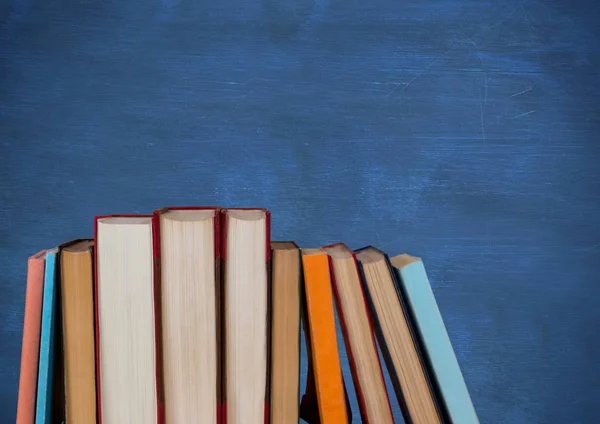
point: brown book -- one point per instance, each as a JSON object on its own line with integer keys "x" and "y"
{"x": 285, "y": 332}
{"x": 77, "y": 291}
{"x": 358, "y": 336}
{"x": 397, "y": 339}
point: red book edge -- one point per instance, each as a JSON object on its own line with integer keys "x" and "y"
{"x": 353, "y": 365}
{"x": 159, "y": 399}
{"x": 268, "y": 317}
{"x": 157, "y": 291}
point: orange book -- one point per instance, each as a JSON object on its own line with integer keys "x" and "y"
{"x": 30, "y": 349}
{"x": 324, "y": 358}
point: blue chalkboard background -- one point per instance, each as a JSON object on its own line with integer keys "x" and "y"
{"x": 466, "y": 133}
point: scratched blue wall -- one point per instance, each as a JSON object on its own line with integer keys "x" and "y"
{"x": 462, "y": 132}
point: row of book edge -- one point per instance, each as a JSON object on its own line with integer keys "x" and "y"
{"x": 193, "y": 315}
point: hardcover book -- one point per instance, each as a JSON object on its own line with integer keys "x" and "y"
{"x": 246, "y": 254}
{"x": 47, "y": 343}
{"x": 325, "y": 400}
{"x": 127, "y": 340}
{"x": 187, "y": 256}
{"x": 77, "y": 299}
{"x": 30, "y": 348}
{"x": 360, "y": 343}
{"x": 285, "y": 332}
{"x": 399, "y": 345}
{"x": 432, "y": 333}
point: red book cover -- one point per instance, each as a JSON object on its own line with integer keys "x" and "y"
{"x": 224, "y": 213}
{"x": 352, "y": 360}
{"x": 157, "y": 293}
{"x": 159, "y": 395}
{"x": 30, "y": 349}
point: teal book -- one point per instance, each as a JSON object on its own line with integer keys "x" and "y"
{"x": 435, "y": 342}
{"x": 47, "y": 336}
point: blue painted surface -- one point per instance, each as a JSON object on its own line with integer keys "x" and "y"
{"x": 462, "y": 132}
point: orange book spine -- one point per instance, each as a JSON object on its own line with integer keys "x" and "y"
{"x": 31, "y": 339}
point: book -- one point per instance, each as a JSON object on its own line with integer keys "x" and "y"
{"x": 45, "y": 381}
{"x": 434, "y": 339}
{"x": 360, "y": 343}
{"x": 398, "y": 343}
{"x": 189, "y": 293}
{"x": 77, "y": 300}
{"x": 324, "y": 382}
{"x": 127, "y": 373}
{"x": 30, "y": 348}
{"x": 246, "y": 254}
{"x": 285, "y": 332}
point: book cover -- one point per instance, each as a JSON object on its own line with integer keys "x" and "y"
{"x": 414, "y": 284}
{"x": 218, "y": 292}
{"x": 159, "y": 394}
{"x": 47, "y": 343}
{"x": 30, "y": 348}
{"x": 75, "y": 271}
{"x": 223, "y": 247}
{"x": 325, "y": 398}
{"x": 360, "y": 393}
{"x": 274, "y": 246}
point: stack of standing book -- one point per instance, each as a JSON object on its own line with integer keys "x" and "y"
{"x": 193, "y": 315}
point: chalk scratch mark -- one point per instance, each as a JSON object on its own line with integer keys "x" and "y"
{"x": 482, "y": 98}
{"x": 522, "y": 92}
{"x": 482, "y": 104}
{"x": 520, "y": 115}
{"x": 242, "y": 99}
{"x": 421, "y": 72}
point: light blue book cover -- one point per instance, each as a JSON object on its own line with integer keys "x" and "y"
{"x": 436, "y": 344}
{"x": 45, "y": 372}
